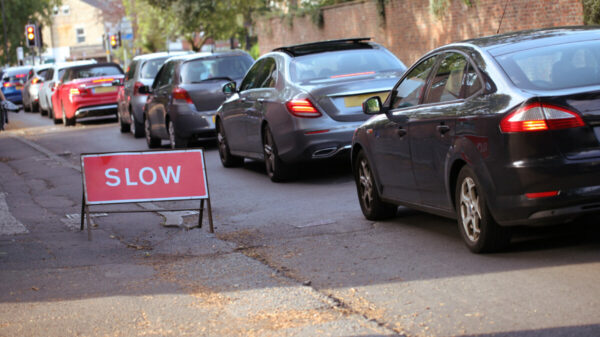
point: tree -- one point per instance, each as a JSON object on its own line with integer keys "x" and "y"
{"x": 17, "y": 15}
{"x": 591, "y": 12}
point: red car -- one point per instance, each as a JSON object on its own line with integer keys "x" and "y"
{"x": 87, "y": 91}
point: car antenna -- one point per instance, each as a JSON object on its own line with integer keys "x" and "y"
{"x": 502, "y": 17}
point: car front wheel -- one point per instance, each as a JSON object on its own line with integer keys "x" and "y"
{"x": 227, "y": 159}
{"x": 372, "y": 206}
{"x": 477, "y": 227}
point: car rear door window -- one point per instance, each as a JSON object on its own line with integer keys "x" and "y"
{"x": 447, "y": 82}
{"x": 268, "y": 74}
{"x": 258, "y": 75}
{"x": 411, "y": 89}
{"x": 150, "y": 68}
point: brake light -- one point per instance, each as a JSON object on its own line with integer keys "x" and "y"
{"x": 302, "y": 108}
{"x": 136, "y": 88}
{"x": 353, "y": 74}
{"x": 103, "y": 80}
{"x": 35, "y": 81}
{"x": 7, "y": 84}
{"x": 180, "y": 95}
{"x": 540, "y": 117}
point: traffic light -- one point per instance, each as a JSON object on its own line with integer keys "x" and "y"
{"x": 113, "y": 41}
{"x": 31, "y": 35}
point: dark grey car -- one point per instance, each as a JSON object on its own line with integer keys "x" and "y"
{"x": 186, "y": 93}
{"x": 141, "y": 72}
{"x": 302, "y": 103}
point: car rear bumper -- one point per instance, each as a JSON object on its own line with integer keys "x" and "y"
{"x": 96, "y": 111}
{"x": 190, "y": 123}
{"x": 307, "y": 145}
{"x": 576, "y": 184}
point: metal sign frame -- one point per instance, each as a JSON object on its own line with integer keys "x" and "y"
{"x": 85, "y": 205}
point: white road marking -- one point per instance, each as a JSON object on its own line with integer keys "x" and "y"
{"x": 8, "y": 224}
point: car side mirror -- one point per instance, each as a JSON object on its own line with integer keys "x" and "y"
{"x": 229, "y": 88}
{"x": 144, "y": 90}
{"x": 373, "y": 106}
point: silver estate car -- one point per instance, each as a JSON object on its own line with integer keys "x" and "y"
{"x": 303, "y": 102}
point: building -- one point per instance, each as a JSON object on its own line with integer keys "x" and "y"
{"x": 78, "y": 28}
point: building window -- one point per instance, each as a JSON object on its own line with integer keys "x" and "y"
{"x": 66, "y": 10}
{"x": 55, "y": 10}
{"x": 80, "y": 33}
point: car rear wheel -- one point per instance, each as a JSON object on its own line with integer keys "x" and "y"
{"x": 477, "y": 227}
{"x": 124, "y": 127}
{"x": 136, "y": 128}
{"x": 276, "y": 169}
{"x": 372, "y": 206}
{"x": 227, "y": 159}
{"x": 152, "y": 142}
{"x": 176, "y": 141}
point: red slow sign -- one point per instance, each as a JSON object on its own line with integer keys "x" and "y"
{"x": 144, "y": 176}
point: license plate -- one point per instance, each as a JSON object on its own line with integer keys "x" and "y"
{"x": 19, "y": 87}
{"x": 103, "y": 90}
{"x": 352, "y": 101}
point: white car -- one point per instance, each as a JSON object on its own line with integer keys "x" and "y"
{"x": 51, "y": 80}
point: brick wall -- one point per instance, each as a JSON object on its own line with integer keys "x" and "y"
{"x": 411, "y": 30}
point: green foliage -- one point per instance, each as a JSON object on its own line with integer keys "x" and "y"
{"x": 438, "y": 7}
{"x": 18, "y": 13}
{"x": 591, "y": 12}
{"x": 255, "y": 51}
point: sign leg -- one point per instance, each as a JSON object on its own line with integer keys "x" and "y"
{"x": 89, "y": 222}
{"x": 211, "y": 229}
{"x": 201, "y": 213}
{"x": 83, "y": 205}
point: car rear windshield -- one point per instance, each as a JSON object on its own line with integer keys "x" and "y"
{"x": 555, "y": 67}
{"x": 150, "y": 68}
{"x": 95, "y": 72}
{"x": 15, "y": 77}
{"x": 346, "y": 63}
{"x": 232, "y": 67}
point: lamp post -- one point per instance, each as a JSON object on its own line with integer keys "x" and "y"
{"x": 4, "y": 28}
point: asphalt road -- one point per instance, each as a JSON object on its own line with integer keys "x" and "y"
{"x": 289, "y": 259}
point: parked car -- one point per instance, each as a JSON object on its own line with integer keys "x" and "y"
{"x": 141, "y": 72}
{"x": 87, "y": 91}
{"x": 51, "y": 80}
{"x": 13, "y": 80}
{"x": 302, "y": 103}
{"x": 186, "y": 93}
{"x": 31, "y": 89}
{"x": 496, "y": 132}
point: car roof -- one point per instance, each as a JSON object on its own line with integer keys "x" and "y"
{"x": 200, "y": 55}
{"x": 159, "y": 55}
{"x": 63, "y": 65}
{"x": 326, "y": 46}
{"x": 17, "y": 70}
{"x": 94, "y": 65}
{"x": 516, "y": 41}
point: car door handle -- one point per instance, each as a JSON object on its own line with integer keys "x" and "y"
{"x": 443, "y": 128}
{"x": 401, "y": 132}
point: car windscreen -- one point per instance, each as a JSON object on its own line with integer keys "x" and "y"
{"x": 95, "y": 72}
{"x": 15, "y": 77}
{"x": 555, "y": 67}
{"x": 150, "y": 67}
{"x": 342, "y": 64}
{"x": 232, "y": 67}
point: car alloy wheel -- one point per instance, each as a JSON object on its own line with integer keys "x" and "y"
{"x": 176, "y": 141}
{"x": 227, "y": 159}
{"x": 470, "y": 209}
{"x": 151, "y": 141}
{"x": 372, "y": 206}
{"x": 478, "y": 228}
{"x": 276, "y": 169}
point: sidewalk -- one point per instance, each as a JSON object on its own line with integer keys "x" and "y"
{"x": 136, "y": 278}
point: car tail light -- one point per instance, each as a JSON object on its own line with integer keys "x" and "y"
{"x": 54, "y": 86}
{"x": 7, "y": 84}
{"x": 36, "y": 80}
{"x": 136, "y": 88}
{"x": 540, "y": 117}
{"x": 180, "y": 95}
{"x": 538, "y": 195}
{"x": 302, "y": 108}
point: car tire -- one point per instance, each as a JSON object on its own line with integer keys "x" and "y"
{"x": 276, "y": 169}
{"x": 123, "y": 127}
{"x": 227, "y": 159}
{"x": 176, "y": 141}
{"x": 372, "y": 206}
{"x": 477, "y": 227}
{"x": 54, "y": 119}
{"x": 152, "y": 142}
{"x": 67, "y": 121}
{"x": 26, "y": 107}
{"x": 136, "y": 128}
